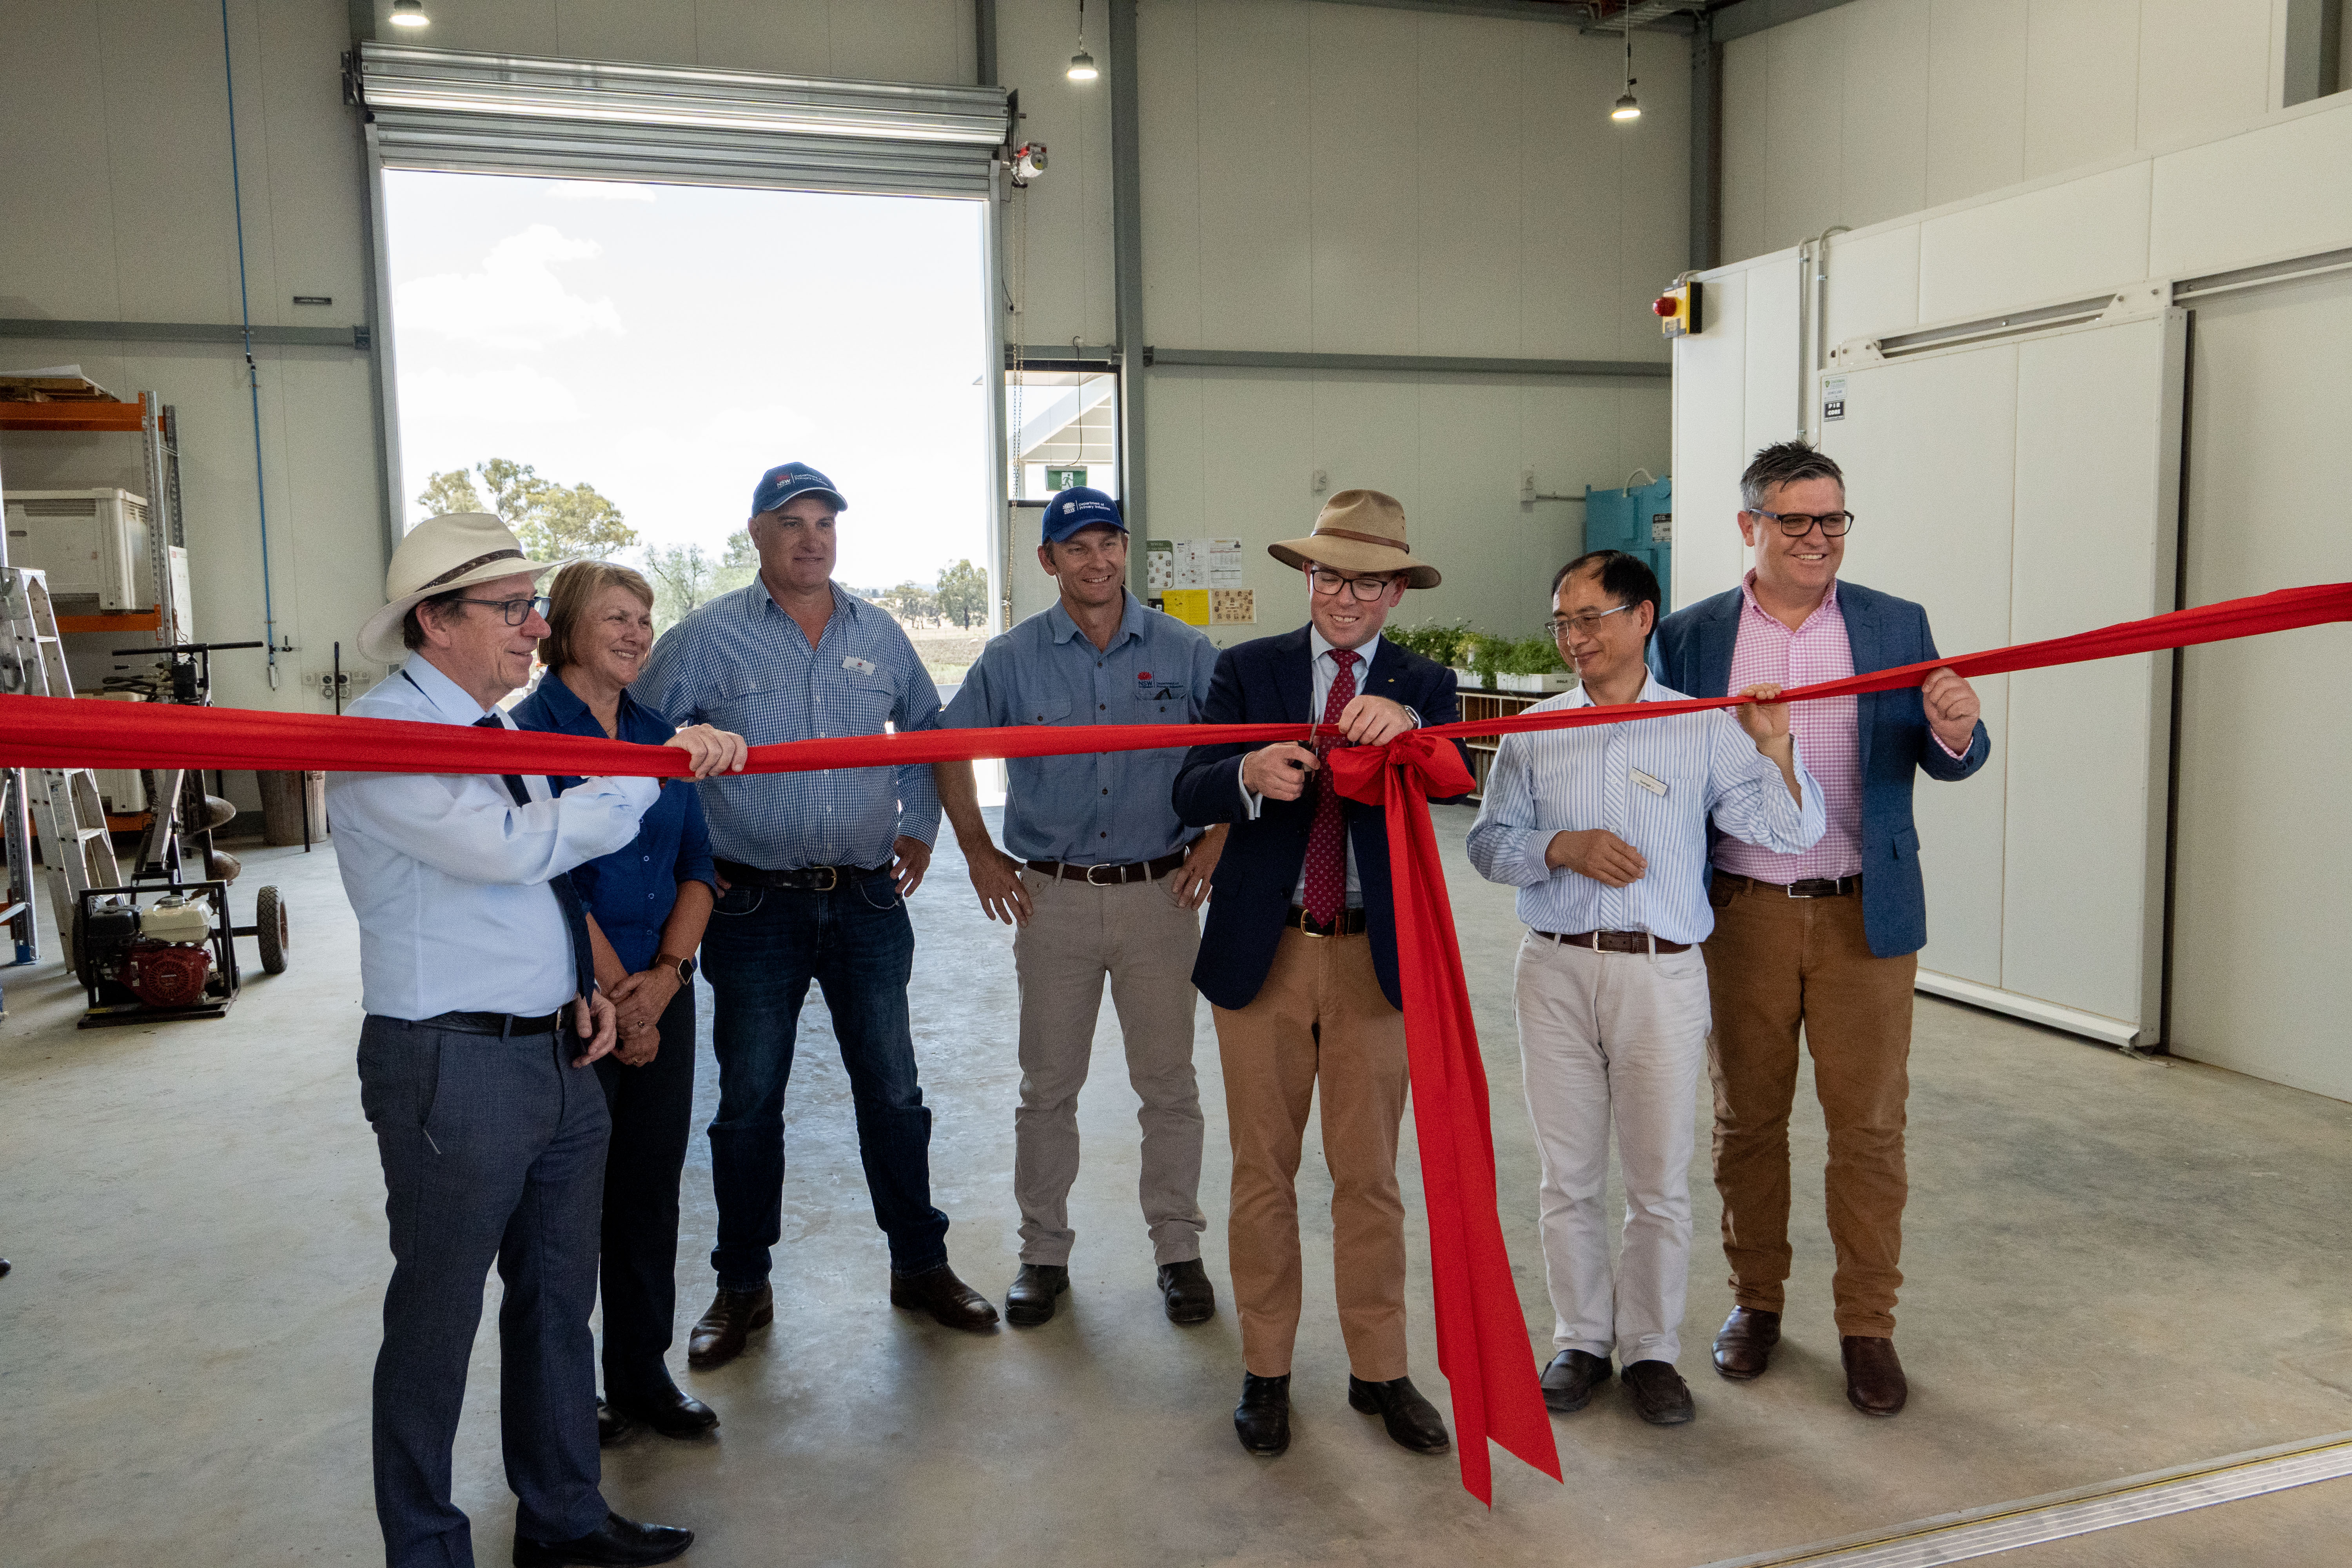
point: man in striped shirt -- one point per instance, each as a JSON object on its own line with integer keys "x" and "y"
{"x": 1603, "y": 830}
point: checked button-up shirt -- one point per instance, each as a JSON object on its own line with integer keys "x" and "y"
{"x": 743, "y": 664}
{"x": 1109, "y": 809}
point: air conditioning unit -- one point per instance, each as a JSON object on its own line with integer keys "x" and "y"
{"x": 92, "y": 544}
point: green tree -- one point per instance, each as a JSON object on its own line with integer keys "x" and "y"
{"x": 452, "y": 491}
{"x": 910, "y": 601}
{"x": 550, "y": 521}
{"x": 684, "y": 578}
{"x": 963, "y": 593}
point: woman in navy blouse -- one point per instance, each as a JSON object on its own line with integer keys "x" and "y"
{"x": 647, "y": 904}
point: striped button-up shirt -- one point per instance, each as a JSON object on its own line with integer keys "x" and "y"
{"x": 1653, "y": 783}
{"x": 740, "y": 662}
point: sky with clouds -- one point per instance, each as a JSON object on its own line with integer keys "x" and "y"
{"x": 668, "y": 343}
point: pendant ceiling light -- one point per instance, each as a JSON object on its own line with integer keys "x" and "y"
{"x": 409, "y": 14}
{"x": 1082, "y": 64}
{"x": 1628, "y": 106}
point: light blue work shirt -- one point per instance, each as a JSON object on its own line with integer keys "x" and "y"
{"x": 1653, "y": 783}
{"x": 1109, "y": 809}
{"x": 743, "y": 664}
{"x": 448, "y": 876}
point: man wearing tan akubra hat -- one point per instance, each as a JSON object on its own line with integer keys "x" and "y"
{"x": 482, "y": 1022}
{"x": 1298, "y": 962}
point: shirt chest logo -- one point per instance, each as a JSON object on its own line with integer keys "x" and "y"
{"x": 1149, "y": 687}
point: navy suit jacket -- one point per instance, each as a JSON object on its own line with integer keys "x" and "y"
{"x": 1268, "y": 682}
{"x": 1692, "y": 654}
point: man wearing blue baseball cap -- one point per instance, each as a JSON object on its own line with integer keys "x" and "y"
{"x": 1102, "y": 880}
{"x": 815, "y": 870}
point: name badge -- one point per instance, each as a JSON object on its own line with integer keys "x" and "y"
{"x": 1656, "y": 786}
{"x": 862, "y": 666}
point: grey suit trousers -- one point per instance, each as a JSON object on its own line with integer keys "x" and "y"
{"x": 493, "y": 1149}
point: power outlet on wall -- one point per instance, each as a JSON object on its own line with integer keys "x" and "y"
{"x": 321, "y": 683}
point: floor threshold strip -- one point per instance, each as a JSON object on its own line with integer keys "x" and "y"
{"x": 2029, "y": 1521}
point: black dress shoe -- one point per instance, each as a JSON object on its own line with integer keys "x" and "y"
{"x": 718, "y": 1337}
{"x": 1184, "y": 1287}
{"x": 1569, "y": 1379}
{"x": 617, "y": 1543}
{"x": 668, "y": 1409}
{"x": 1029, "y": 1300}
{"x": 1263, "y": 1417}
{"x": 946, "y": 1297}
{"x": 1413, "y": 1422}
{"x": 610, "y": 1427}
{"x": 1743, "y": 1346}
{"x": 1875, "y": 1383}
{"x": 1660, "y": 1396}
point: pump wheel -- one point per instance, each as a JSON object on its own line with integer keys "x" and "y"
{"x": 269, "y": 931}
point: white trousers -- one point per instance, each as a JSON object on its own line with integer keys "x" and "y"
{"x": 1613, "y": 1038}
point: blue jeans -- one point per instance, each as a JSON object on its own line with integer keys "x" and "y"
{"x": 763, "y": 948}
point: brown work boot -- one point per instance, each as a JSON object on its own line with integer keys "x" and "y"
{"x": 1875, "y": 1383}
{"x": 1743, "y": 1346}
{"x": 946, "y": 1297}
{"x": 718, "y": 1337}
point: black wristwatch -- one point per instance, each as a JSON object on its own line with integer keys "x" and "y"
{"x": 685, "y": 967}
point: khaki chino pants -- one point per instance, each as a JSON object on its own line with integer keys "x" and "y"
{"x": 1319, "y": 1020}
{"x": 1144, "y": 941}
{"x": 1774, "y": 964}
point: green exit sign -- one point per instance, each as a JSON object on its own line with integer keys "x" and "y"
{"x": 1063, "y": 479}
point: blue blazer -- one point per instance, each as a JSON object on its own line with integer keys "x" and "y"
{"x": 1691, "y": 653}
{"x": 1267, "y": 682}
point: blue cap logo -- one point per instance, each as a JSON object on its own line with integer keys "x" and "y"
{"x": 786, "y": 481}
{"x": 1079, "y": 507}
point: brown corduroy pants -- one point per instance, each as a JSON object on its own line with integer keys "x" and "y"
{"x": 1775, "y": 964}
{"x": 1319, "y": 1020}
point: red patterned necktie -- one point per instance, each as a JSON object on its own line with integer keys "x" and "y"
{"x": 1327, "y": 843}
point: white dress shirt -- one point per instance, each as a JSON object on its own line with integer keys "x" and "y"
{"x": 1697, "y": 765}
{"x": 448, "y": 876}
{"x": 1324, "y": 669}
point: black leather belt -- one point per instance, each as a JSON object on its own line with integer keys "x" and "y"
{"x": 1351, "y": 922}
{"x": 503, "y": 1025}
{"x": 1615, "y": 941}
{"x": 1812, "y": 888}
{"x": 799, "y": 879}
{"x": 1109, "y": 876}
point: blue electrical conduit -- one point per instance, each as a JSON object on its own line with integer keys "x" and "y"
{"x": 252, "y": 371}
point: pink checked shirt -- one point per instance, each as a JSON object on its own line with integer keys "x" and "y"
{"x": 1826, "y": 733}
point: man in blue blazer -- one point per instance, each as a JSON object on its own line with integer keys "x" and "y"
{"x": 1298, "y": 962}
{"x": 1827, "y": 940}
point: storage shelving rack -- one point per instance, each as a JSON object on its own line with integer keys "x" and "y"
{"x": 1478, "y": 704}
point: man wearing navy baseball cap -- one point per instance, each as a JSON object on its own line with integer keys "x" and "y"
{"x": 814, "y": 872}
{"x": 1102, "y": 880}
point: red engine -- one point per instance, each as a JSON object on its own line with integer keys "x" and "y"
{"x": 165, "y": 974}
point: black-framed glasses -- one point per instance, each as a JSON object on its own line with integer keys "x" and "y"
{"x": 1797, "y": 524}
{"x": 514, "y": 611}
{"x": 1365, "y": 589}
{"x": 1589, "y": 621}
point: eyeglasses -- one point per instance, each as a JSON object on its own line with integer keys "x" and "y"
{"x": 1559, "y": 626}
{"x": 1797, "y": 524}
{"x": 1366, "y": 589}
{"x": 515, "y": 611}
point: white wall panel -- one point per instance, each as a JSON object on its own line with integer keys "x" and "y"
{"x": 1256, "y": 287}
{"x": 2204, "y": 65}
{"x": 1768, "y": 367}
{"x": 1804, "y": 127}
{"x": 55, "y": 168}
{"x": 1873, "y": 283}
{"x": 2059, "y": 242}
{"x": 2082, "y": 82}
{"x": 1570, "y": 266}
{"x": 1883, "y": 162}
{"x": 1976, "y": 97}
{"x": 2262, "y": 882}
{"x": 634, "y": 30}
{"x": 1710, "y": 442}
{"x": 2278, "y": 190}
{"x": 1365, "y": 97}
{"x": 1467, "y": 175}
{"x": 787, "y": 38}
{"x": 1171, "y": 162}
{"x": 1747, "y": 152}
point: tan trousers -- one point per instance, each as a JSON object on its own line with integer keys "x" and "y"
{"x": 1145, "y": 942}
{"x": 1773, "y": 964}
{"x": 1320, "y": 1018}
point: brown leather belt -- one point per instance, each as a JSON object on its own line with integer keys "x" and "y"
{"x": 1109, "y": 876}
{"x": 1812, "y": 887}
{"x": 1615, "y": 941}
{"x": 1351, "y": 922}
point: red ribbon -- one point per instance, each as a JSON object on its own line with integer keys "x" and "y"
{"x": 1481, "y": 1330}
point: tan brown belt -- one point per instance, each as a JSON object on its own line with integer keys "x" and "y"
{"x": 1349, "y": 923}
{"x": 1615, "y": 941}
{"x": 1109, "y": 876}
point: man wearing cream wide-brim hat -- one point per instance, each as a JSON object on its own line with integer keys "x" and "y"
{"x": 474, "y": 966}
{"x": 1298, "y": 962}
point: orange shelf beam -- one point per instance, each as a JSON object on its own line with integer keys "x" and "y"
{"x": 137, "y": 621}
{"x": 124, "y": 417}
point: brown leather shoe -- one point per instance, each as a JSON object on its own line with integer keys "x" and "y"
{"x": 1743, "y": 1346}
{"x": 718, "y": 1337}
{"x": 946, "y": 1297}
{"x": 1875, "y": 1383}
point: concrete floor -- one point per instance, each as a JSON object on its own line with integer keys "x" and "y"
{"x": 2115, "y": 1267}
